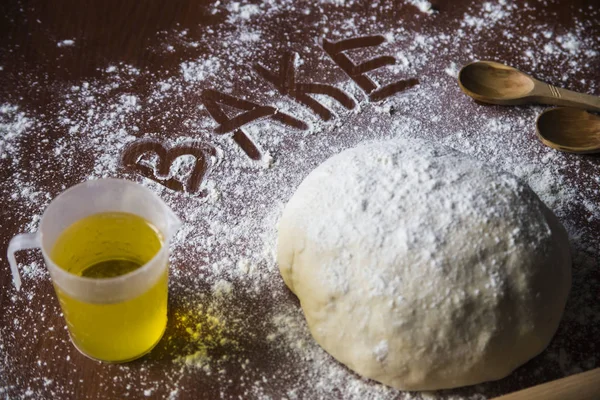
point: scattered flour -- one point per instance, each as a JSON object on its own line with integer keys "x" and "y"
{"x": 423, "y": 6}
{"x": 66, "y": 43}
{"x": 452, "y": 70}
{"x": 229, "y": 305}
{"x": 13, "y": 125}
{"x": 199, "y": 71}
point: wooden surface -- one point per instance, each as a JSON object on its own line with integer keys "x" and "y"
{"x": 113, "y": 32}
{"x": 584, "y": 386}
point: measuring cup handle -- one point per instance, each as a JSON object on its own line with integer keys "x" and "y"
{"x": 22, "y": 241}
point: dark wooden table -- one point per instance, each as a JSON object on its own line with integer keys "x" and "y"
{"x": 36, "y": 357}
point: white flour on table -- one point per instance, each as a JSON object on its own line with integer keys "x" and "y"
{"x": 230, "y": 233}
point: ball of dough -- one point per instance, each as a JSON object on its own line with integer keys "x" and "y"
{"x": 421, "y": 268}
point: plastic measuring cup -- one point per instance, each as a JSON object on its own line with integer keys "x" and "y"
{"x": 109, "y": 319}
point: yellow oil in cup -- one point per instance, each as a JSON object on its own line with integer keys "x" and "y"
{"x": 105, "y": 243}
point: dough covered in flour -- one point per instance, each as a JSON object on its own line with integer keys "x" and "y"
{"x": 421, "y": 268}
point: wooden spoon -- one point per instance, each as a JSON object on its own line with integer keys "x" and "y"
{"x": 569, "y": 129}
{"x": 583, "y": 386}
{"x": 492, "y": 82}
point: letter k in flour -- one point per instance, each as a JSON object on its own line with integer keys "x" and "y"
{"x": 286, "y": 84}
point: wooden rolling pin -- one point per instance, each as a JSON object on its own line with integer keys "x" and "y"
{"x": 583, "y": 386}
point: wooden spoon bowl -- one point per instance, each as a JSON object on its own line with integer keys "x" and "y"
{"x": 570, "y": 130}
{"x": 495, "y": 83}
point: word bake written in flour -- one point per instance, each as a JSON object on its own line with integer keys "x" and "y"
{"x": 287, "y": 84}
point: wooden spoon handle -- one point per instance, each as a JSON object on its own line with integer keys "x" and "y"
{"x": 547, "y": 94}
{"x": 584, "y": 386}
